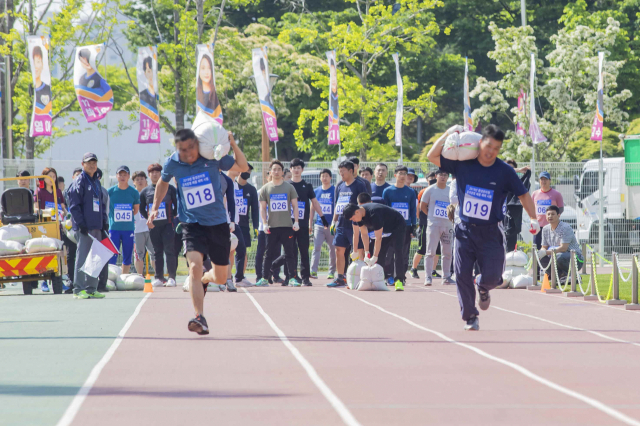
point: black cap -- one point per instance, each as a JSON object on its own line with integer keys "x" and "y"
{"x": 23, "y": 173}
{"x": 123, "y": 168}
{"x": 98, "y": 174}
{"x": 89, "y": 156}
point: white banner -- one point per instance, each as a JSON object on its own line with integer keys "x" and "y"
{"x": 38, "y": 50}
{"x": 534, "y": 130}
{"x": 399, "y": 106}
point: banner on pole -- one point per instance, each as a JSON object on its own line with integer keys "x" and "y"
{"x": 334, "y": 116}
{"x": 534, "y": 130}
{"x": 468, "y": 123}
{"x": 399, "y": 106}
{"x": 522, "y": 100}
{"x": 94, "y": 94}
{"x": 147, "y": 72}
{"x": 38, "y": 50}
{"x": 206, "y": 96}
{"x": 261, "y": 74}
{"x": 598, "y": 120}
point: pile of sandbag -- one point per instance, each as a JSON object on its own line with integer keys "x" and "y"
{"x": 461, "y": 146}
{"x": 10, "y": 247}
{"x": 353, "y": 274}
{"x": 516, "y": 262}
{"x": 372, "y": 278}
{"x": 43, "y": 244}
{"x": 129, "y": 282}
{"x": 18, "y": 233}
{"x": 212, "y": 137}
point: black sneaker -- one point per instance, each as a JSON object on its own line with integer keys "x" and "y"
{"x": 473, "y": 324}
{"x": 414, "y": 273}
{"x": 306, "y": 282}
{"x": 276, "y": 279}
{"x": 69, "y": 291}
{"x": 199, "y": 325}
{"x": 435, "y": 274}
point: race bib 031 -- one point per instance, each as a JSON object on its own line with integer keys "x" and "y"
{"x": 197, "y": 190}
{"x": 477, "y": 202}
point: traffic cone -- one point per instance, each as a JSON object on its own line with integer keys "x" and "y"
{"x": 148, "y": 288}
{"x": 545, "y": 283}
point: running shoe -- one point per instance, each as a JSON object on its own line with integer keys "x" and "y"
{"x": 45, "y": 287}
{"x": 293, "y": 282}
{"x": 306, "y": 282}
{"x": 448, "y": 281}
{"x": 435, "y": 274}
{"x": 313, "y": 275}
{"x": 473, "y": 324}
{"x": 69, "y": 290}
{"x": 231, "y": 287}
{"x": 81, "y": 295}
{"x": 222, "y": 287}
{"x": 170, "y": 283}
{"x": 331, "y": 275}
{"x": 262, "y": 283}
{"x": 338, "y": 282}
{"x": 213, "y": 287}
{"x": 244, "y": 283}
{"x": 390, "y": 281}
{"x": 96, "y": 295}
{"x": 428, "y": 281}
{"x": 277, "y": 280}
{"x": 414, "y": 273}
{"x": 64, "y": 287}
{"x": 199, "y": 325}
{"x": 399, "y": 286}
{"x": 157, "y": 283}
{"x": 484, "y": 299}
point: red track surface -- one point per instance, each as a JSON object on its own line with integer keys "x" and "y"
{"x": 383, "y": 369}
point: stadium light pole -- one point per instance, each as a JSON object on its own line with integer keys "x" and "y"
{"x": 273, "y": 79}
{"x": 523, "y": 12}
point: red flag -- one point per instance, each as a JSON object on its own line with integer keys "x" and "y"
{"x": 109, "y": 244}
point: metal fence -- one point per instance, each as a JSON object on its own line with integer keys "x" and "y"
{"x": 577, "y": 182}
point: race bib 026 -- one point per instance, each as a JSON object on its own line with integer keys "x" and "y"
{"x": 541, "y": 206}
{"x": 278, "y": 202}
{"x": 123, "y": 213}
{"x": 403, "y": 208}
{"x": 477, "y": 202}
{"x": 440, "y": 209}
{"x": 197, "y": 190}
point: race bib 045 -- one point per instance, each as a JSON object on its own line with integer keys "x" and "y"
{"x": 123, "y": 213}
{"x": 477, "y": 202}
{"x": 197, "y": 190}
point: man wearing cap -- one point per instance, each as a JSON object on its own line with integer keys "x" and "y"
{"x": 124, "y": 204}
{"x": 24, "y": 183}
{"x": 89, "y": 217}
{"x": 543, "y": 198}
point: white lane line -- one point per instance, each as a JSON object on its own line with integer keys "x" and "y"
{"x": 520, "y": 369}
{"x": 595, "y": 333}
{"x": 335, "y": 402}
{"x": 75, "y": 405}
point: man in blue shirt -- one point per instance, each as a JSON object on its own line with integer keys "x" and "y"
{"x": 380, "y": 184}
{"x": 402, "y": 198}
{"x": 482, "y": 187}
{"x": 124, "y": 204}
{"x": 326, "y": 197}
{"x": 202, "y": 214}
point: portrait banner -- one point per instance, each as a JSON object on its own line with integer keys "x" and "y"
{"x": 468, "y": 124}
{"x": 94, "y": 94}
{"x": 261, "y": 74}
{"x": 534, "y": 130}
{"x": 598, "y": 120}
{"x": 334, "y": 116}
{"x": 399, "y": 106}
{"x": 206, "y": 96}
{"x": 147, "y": 72}
{"x": 522, "y": 99}
{"x": 38, "y": 50}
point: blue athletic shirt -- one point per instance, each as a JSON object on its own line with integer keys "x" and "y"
{"x": 199, "y": 195}
{"x": 376, "y": 192}
{"x": 482, "y": 190}
{"x": 346, "y": 194}
{"x": 327, "y": 202}
{"x": 121, "y": 202}
{"x": 402, "y": 200}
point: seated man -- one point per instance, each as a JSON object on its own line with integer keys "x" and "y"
{"x": 558, "y": 237}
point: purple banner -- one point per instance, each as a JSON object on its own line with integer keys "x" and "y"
{"x": 468, "y": 123}
{"x": 334, "y": 116}
{"x": 38, "y": 48}
{"x": 94, "y": 94}
{"x": 261, "y": 74}
{"x": 147, "y": 72}
{"x": 598, "y": 120}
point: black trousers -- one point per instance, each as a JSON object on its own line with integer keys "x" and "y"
{"x": 301, "y": 244}
{"x": 512, "y": 240}
{"x": 277, "y": 237}
{"x": 406, "y": 248}
{"x": 163, "y": 240}
{"x": 260, "y": 250}
{"x": 241, "y": 253}
{"x": 71, "y": 256}
{"x": 396, "y": 242}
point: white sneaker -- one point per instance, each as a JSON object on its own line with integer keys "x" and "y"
{"x": 222, "y": 287}
{"x": 170, "y": 283}
{"x": 245, "y": 283}
{"x": 213, "y": 287}
{"x": 157, "y": 283}
{"x": 231, "y": 287}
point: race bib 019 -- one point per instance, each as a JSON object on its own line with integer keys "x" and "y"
{"x": 197, "y": 190}
{"x": 343, "y": 200}
{"x": 123, "y": 213}
{"x": 301, "y": 207}
{"x": 162, "y": 211}
{"x": 403, "y": 208}
{"x": 440, "y": 209}
{"x": 477, "y": 202}
{"x": 278, "y": 202}
{"x": 541, "y": 206}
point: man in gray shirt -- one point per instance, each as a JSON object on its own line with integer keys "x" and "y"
{"x": 558, "y": 237}
{"x": 434, "y": 203}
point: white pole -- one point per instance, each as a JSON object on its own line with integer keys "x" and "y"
{"x": 105, "y": 175}
{"x": 523, "y": 12}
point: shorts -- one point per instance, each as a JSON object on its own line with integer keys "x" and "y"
{"x": 422, "y": 240}
{"x": 246, "y": 233}
{"x": 213, "y": 241}
{"x": 344, "y": 238}
{"x": 126, "y": 239}
{"x": 143, "y": 243}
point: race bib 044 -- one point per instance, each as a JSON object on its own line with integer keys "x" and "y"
{"x": 326, "y": 206}
{"x": 440, "y": 209}
{"x": 197, "y": 190}
{"x": 278, "y": 202}
{"x": 477, "y": 202}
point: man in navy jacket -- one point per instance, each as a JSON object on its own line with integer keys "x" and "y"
{"x": 89, "y": 217}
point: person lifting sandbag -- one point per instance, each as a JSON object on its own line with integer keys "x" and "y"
{"x": 213, "y": 139}
{"x": 462, "y": 146}
{"x": 353, "y": 274}
{"x": 372, "y": 278}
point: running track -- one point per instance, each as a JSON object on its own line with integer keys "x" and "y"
{"x": 319, "y": 356}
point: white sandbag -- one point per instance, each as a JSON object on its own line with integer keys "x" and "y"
{"x": 506, "y": 279}
{"x": 114, "y": 272}
{"x": 521, "y": 281}
{"x": 120, "y": 282}
{"x": 133, "y": 282}
{"x": 234, "y": 241}
{"x": 10, "y": 247}
{"x": 371, "y": 274}
{"x": 516, "y": 270}
{"x": 185, "y": 286}
{"x": 353, "y": 274}
{"x": 18, "y": 233}
{"x": 111, "y": 285}
{"x": 517, "y": 258}
{"x": 43, "y": 244}
{"x": 462, "y": 146}
{"x": 372, "y": 286}
{"x": 212, "y": 137}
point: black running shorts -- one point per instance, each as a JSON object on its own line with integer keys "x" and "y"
{"x": 213, "y": 241}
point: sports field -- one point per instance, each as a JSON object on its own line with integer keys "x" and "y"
{"x": 317, "y": 356}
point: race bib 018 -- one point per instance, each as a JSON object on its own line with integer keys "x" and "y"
{"x": 440, "y": 209}
{"x": 403, "y": 208}
{"x": 541, "y": 206}
{"x": 197, "y": 190}
{"x": 477, "y": 202}
{"x": 122, "y": 213}
{"x": 278, "y": 202}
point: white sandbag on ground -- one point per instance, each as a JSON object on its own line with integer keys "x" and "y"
{"x": 517, "y": 258}
{"x": 10, "y": 247}
{"x": 370, "y": 274}
{"x": 43, "y": 244}
{"x": 521, "y": 281}
{"x": 372, "y": 286}
{"x": 111, "y": 285}
{"x": 18, "y": 233}
{"x": 134, "y": 282}
{"x": 212, "y": 137}
{"x": 353, "y": 274}
{"x": 461, "y": 146}
{"x": 234, "y": 241}
{"x": 114, "y": 272}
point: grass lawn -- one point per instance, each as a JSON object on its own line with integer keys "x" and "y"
{"x": 603, "y": 281}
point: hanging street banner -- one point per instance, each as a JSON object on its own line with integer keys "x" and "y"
{"x": 534, "y": 130}
{"x": 206, "y": 96}
{"x": 522, "y": 100}
{"x": 261, "y": 74}
{"x": 468, "y": 124}
{"x": 334, "y": 116}
{"x": 598, "y": 120}
{"x": 399, "y": 106}
{"x": 38, "y": 51}
{"x": 147, "y": 72}
{"x": 94, "y": 94}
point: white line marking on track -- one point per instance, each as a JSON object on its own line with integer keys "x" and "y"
{"x": 76, "y": 403}
{"x": 335, "y": 402}
{"x": 520, "y": 369}
{"x": 595, "y": 333}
